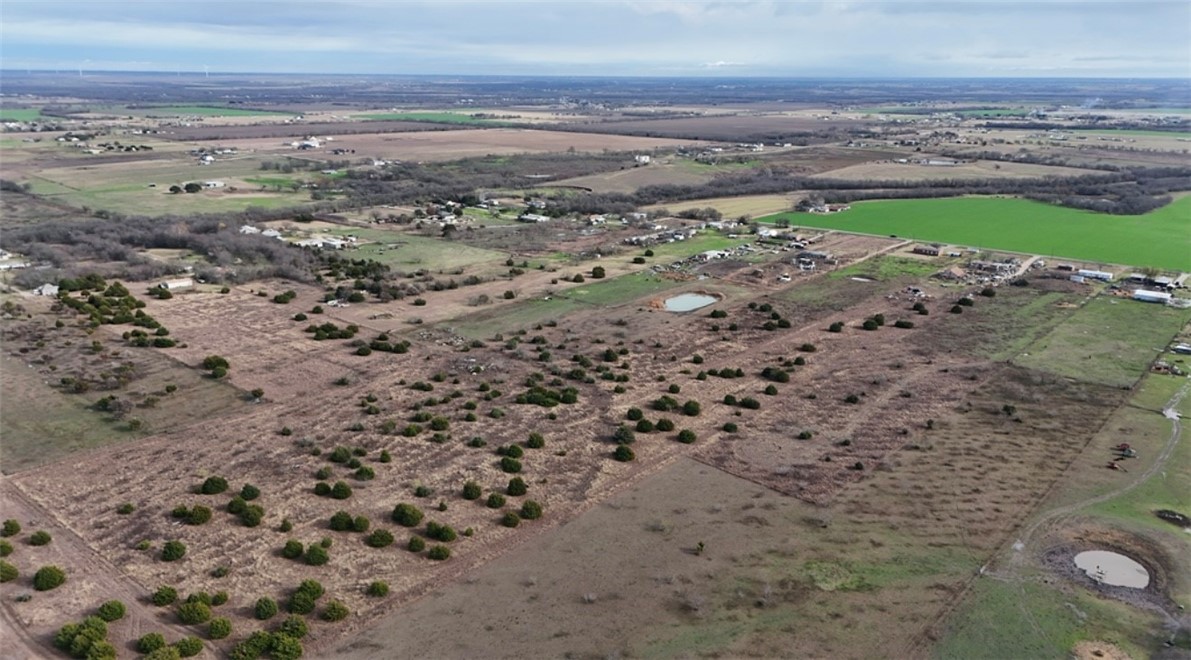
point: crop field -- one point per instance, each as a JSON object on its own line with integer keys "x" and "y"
{"x": 205, "y": 111}
{"x": 733, "y": 207}
{"x": 434, "y": 117}
{"x": 892, "y": 171}
{"x": 407, "y": 252}
{"x": 19, "y": 114}
{"x": 1161, "y": 238}
{"x": 631, "y": 178}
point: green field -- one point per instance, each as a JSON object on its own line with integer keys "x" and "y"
{"x": 1109, "y": 341}
{"x": 403, "y": 251}
{"x": 19, "y": 114}
{"x": 435, "y": 117}
{"x": 702, "y": 242}
{"x": 1161, "y": 238}
{"x": 208, "y": 111}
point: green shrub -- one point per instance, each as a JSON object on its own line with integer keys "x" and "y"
{"x": 341, "y": 521}
{"x": 510, "y": 519}
{"x": 691, "y": 408}
{"x": 956, "y": 309}
{"x": 510, "y": 465}
{"x": 378, "y": 589}
{"x": 904, "y": 324}
{"x": 440, "y": 532}
{"x": 5, "y": 548}
{"x": 517, "y": 487}
{"x": 189, "y": 646}
{"x": 165, "y": 595}
{"x": 535, "y": 441}
{"x": 48, "y": 577}
{"x": 838, "y": 326}
{"x": 379, "y": 538}
{"x": 531, "y": 510}
{"x": 219, "y": 628}
{"x": 256, "y": 645}
{"x": 495, "y": 500}
{"x": 316, "y": 555}
{"x": 265, "y": 608}
{"x": 150, "y": 642}
{"x": 292, "y": 550}
{"x": 335, "y": 611}
{"x": 236, "y": 505}
{"x": 40, "y": 537}
{"x": 198, "y": 515}
{"x": 301, "y": 603}
{"x": 8, "y": 572}
{"x": 965, "y": 301}
{"x": 341, "y": 491}
{"x": 213, "y": 486}
{"x": 634, "y": 414}
{"x": 249, "y": 492}
{"x": 439, "y": 553}
{"x": 173, "y": 551}
{"x": 407, "y": 515}
{"x": 416, "y": 544}
{"x": 471, "y": 491}
{"x": 10, "y": 528}
{"x": 686, "y": 436}
{"x": 623, "y": 453}
{"x": 294, "y": 626}
{"x": 284, "y": 647}
{"x": 113, "y": 610}
{"x": 730, "y": 427}
{"x": 194, "y": 613}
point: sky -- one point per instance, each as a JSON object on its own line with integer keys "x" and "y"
{"x": 838, "y": 38}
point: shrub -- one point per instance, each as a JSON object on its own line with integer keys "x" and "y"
{"x": 644, "y": 426}
{"x": 165, "y": 595}
{"x": 471, "y": 491}
{"x": 423, "y": 491}
{"x": 510, "y": 465}
{"x": 517, "y": 487}
{"x": 439, "y": 532}
{"x": 194, "y": 613}
{"x": 378, "y": 589}
{"x": 730, "y": 427}
{"x": 198, "y": 515}
{"x": 8, "y": 572}
{"x": 265, "y": 608}
{"x": 150, "y": 642}
{"x": 956, "y": 309}
{"x": 531, "y": 510}
{"x": 41, "y": 537}
{"x": 173, "y": 551}
{"x": 870, "y": 324}
{"x": 407, "y": 515}
{"x": 249, "y": 492}
{"x": 664, "y": 425}
{"x": 750, "y": 403}
{"x": 838, "y": 326}
{"x": 335, "y": 611}
{"x": 341, "y": 521}
{"x": 852, "y": 398}
{"x": 901, "y": 323}
{"x": 219, "y": 628}
{"x": 416, "y": 544}
{"x": 113, "y": 610}
{"x": 634, "y": 414}
{"x": 686, "y": 436}
{"x": 341, "y": 491}
{"x": 691, "y": 408}
{"x": 294, "y": 626}
{"x": 189, "y": 646}
{"x": 440, "y": 552}
{"x": 219, "y": 598}
{"x": 235, "y": 506}
{"x": 301, "y": 602}
{"x": 623, "y": 453}
{"x": 316, "y": 555}
{"x": 379, "y": 538}
{"x": 312, "y": 587}
{"x": 213, "y": 486}
{"x": 10, "y": 528}
{"x": 510, "y": 519}
{"x": 535, "y": 441}
{"x": 256, "y": 645}
{"x": 495, "y": 500}
{"x": 361, "y": 524}
{"x": 5, "y": 548}
{"x": 292, "y": 550}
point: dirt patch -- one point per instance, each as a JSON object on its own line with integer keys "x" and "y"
{"x": 1098, "y": 650}
{"x": 1079, "y": 536}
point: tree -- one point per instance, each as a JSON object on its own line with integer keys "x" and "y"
{"x": 265, "y": 608}
{"x": 173, "y": 551}
{"x": 301, "y": 603}
{"x": 407, "y": 515}
{"x": 113, "y": 610}
{"x": 48, "y": 577}
{"x": 213, "y": 362}
{"x": 5, "y": 548}
{"x": 535, "y": 441}
{"x": 341, "y": 491}
{"x": 175, "y": 189}
{"x": 192, "y": 187}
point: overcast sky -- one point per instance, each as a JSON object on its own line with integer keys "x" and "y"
{"x": 977, "y": 38}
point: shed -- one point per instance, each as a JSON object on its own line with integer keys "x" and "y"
{"x": 1151, "y": 296}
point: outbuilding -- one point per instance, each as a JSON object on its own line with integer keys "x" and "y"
{"x": 1151, "y": 296}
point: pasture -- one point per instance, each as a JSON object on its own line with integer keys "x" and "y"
{"x": 433, "y": 117}
{"x": 1161, "y": 238}
{"x": 19, "y": 114}
{"x": 204, "y": 111}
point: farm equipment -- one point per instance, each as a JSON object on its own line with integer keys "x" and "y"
{"x": 1124, "y": 446}
{"x": 1113, "y": 465}
{"x": 1126, "y": 453}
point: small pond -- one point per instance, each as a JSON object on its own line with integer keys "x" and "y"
{"x": 1113, "y": 569}
{"x": 689, "y": 301}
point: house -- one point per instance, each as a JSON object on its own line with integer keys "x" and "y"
{"x": 928, "y": 250}
{"x": 955, "y": 274}
{"x": 176, "y": 285}
{"x": 271, "y": 233}
{"x": 996, "y": 267}
{"x": 249, "y": 229}
{"x": 642, "y": 159}
{"x": 46, "y": 289}
{"x": 1143, "y": 295}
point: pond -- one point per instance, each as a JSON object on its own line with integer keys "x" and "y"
{"x": 689, "y": 301}
{"x": 1113, "y": 569}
